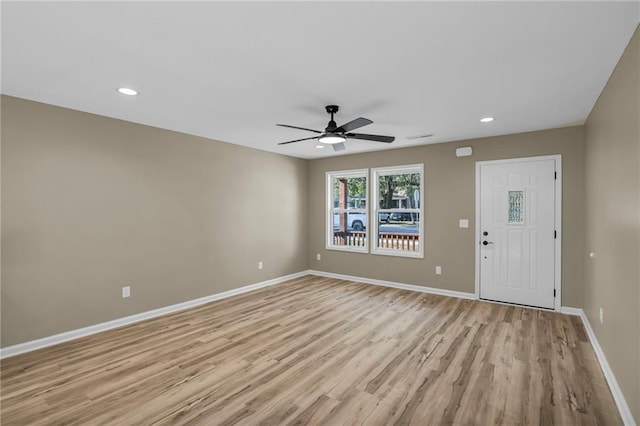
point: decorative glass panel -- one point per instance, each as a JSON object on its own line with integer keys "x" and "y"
{"x": 516, "y": 207}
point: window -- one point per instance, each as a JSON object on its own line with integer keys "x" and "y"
{"x": 397, "y": 211}
{"x": 347, "y": 210}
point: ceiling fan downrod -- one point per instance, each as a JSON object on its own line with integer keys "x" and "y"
{"x": 332, "y": 126}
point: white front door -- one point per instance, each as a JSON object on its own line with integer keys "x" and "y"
{"x": 517, "y": 216}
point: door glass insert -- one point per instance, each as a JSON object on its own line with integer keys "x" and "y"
{"x": 516, "y": 207}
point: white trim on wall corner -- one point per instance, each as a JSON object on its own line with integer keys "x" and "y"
{"x": 618, "y": 396}
{"x": 33, "y": 345}
{"x": 567, "y": 310}
{"x": 411, "y": 287}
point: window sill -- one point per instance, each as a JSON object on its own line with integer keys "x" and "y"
{"x": 349, "y": 249}
{"x": 397, "y": 253}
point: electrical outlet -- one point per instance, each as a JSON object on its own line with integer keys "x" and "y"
{"x": 601, "y": 316}
{"x": 126, "y": 292}
{"x": 318, "y": 257}
{"x": 260, "y": 265}
{"x": 438, "y": 270}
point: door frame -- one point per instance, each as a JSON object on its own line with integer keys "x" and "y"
{"x": 558, "y": 221}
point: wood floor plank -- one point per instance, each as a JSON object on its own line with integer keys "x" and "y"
{"x": 320, "y": 351}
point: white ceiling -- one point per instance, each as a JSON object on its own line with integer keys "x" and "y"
{"x": 231, "y": 70}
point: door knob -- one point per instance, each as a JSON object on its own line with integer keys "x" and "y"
{"x": 485, "y": 243}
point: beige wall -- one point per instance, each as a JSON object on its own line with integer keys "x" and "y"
{"x": 612, "y": 191}
{"x": 449, "y": 196}
{"x": 91, "y": 204}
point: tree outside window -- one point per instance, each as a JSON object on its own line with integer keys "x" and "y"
{"x": 347, "y": 218}
{"x": 398, "y": 209}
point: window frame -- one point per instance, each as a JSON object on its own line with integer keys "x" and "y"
{"x": 376, "y": 210}
{"x": 329, "y": 209}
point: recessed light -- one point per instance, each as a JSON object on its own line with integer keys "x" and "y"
{"x": 319, "y": 146}
{"x": 486, "y": 120}
{"x": 127, "y": 91}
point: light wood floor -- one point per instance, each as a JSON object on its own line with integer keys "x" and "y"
{"x": 319, "y": 351}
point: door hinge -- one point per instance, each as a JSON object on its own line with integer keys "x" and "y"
{"x": 554, "y": 292}
{"x": 555, "y": 175}
{"x": 555, "y": 234}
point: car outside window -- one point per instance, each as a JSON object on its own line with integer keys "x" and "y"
{"x": 347, "y": 216}
{"x": 397, "y": 204}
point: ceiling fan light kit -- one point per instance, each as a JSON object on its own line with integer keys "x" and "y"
{"x": 336, "y": 136}
{"x": 331, "y": 138}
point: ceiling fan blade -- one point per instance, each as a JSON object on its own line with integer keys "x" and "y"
{"x": 375, "y": 138}
{"x": 354, "y": 124}
{"x": 299, "y": 128}
{"x": 338, "y": 146}
{"x": 298, "y": 140}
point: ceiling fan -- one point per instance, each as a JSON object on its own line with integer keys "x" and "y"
{"x": 336, "y": 136}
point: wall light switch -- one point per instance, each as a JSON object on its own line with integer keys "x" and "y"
{"x": 260, "y": 265}
{"x": 463, "y": 223}
{"x": 438, "y": 270}
{"x": 126, "y": 292}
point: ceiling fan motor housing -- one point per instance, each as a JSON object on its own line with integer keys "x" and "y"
{"x": 332, "y": 109}
{"x": 332, "y": 126}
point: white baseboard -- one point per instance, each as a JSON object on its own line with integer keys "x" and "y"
{"x": 419, "y": 288}
{"x": 567, "y": 310}
{"x": 623, "y": 407}
{"x": 9, "y": 351}
{"x": 32, "y": 345}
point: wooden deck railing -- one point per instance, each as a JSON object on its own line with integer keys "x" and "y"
{"x": 399, "y": 241}
{"x": 350, "y": 238}
{"x": 389, "y": 240}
